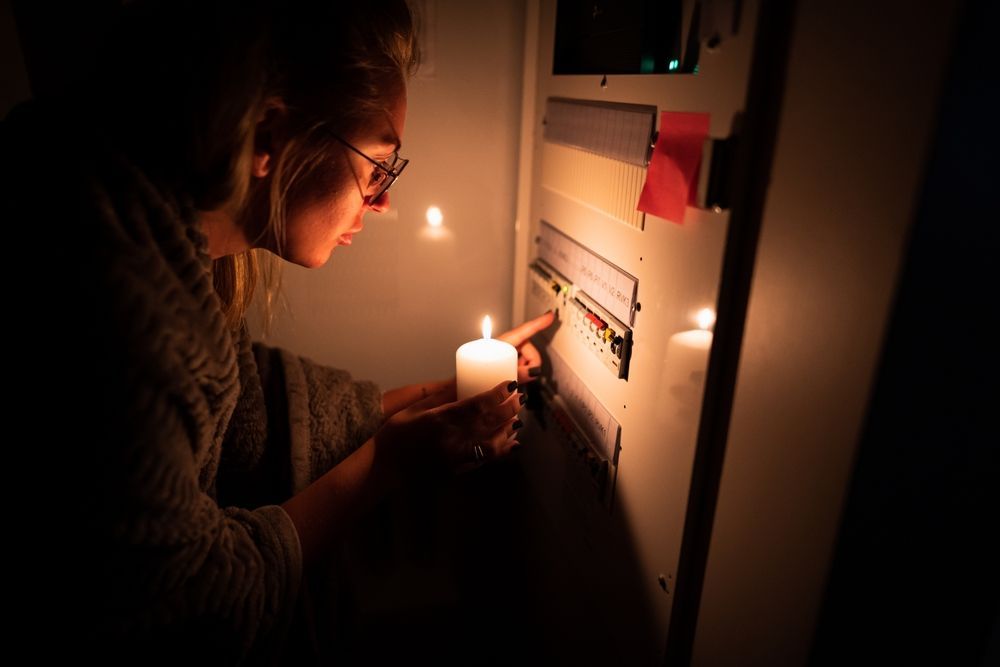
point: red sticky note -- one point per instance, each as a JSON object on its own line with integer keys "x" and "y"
{"x": 672, "y": 177}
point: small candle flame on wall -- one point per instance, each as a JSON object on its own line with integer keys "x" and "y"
{"x": 705, "y": 318}
{"x": 434, "y": 216}
{"x": 487, "y": 326}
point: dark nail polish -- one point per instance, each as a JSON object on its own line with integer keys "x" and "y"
{"x": 535, "y": 372}
{"x": 512, "y": 386}
{"x": 517, "y": 424}
{"x": 522, "y": 398}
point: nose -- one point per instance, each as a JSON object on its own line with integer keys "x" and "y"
{"x": 380, "y": 205}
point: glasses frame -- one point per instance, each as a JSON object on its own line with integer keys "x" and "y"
{"x": 391, "y": 173}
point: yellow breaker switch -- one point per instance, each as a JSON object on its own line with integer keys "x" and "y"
{"x": 609, "y": 333}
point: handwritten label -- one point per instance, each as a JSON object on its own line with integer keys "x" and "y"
{"x": 611, "y": 287}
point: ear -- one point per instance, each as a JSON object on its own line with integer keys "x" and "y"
{"x": 268, "y": 138}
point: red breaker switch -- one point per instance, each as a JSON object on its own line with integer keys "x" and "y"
{"x": 601, "y": 328}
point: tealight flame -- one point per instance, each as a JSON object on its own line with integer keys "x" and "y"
{"x": 705, "y": 318}
{"x": 487, "y": 327}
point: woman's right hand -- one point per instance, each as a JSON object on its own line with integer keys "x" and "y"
{"x": 441, "y": 432}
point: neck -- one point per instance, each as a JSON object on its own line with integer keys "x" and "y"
{"x": 224, "y": 236}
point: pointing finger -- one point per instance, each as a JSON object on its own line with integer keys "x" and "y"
{"x": 523, "y": 332}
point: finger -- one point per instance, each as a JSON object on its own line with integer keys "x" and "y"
{"x": 438, "y": 398}
{"x": 491, "y": 419}
{"x": 524, "y": 374}
{"x": 482, "y": 408}
{"x": 509, "y": 409}
{"x": 500, "y": 442}
{"x": 497, "y": 395}
{"x": 520, "y": 334}
{"x": 512, "y": 445}
{"x": 530, "y": 355}
{"x": 529, "y": 366}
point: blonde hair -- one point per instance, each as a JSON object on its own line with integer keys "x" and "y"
{"x": 333, "y": 80}
{"x": 335, "y": 65}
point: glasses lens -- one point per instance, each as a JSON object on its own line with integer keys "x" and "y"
{"x": 398, "y": 164}
{"x": 391, "y": 162}
{"x": 379, "y": 176}
{"x": 383, "y": 186}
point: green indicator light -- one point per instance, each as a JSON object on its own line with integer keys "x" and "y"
{"x": 674, "y": 64}
{"x": 647, "y": 65}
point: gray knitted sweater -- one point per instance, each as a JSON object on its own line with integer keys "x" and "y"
{"x": 181, "y": 436}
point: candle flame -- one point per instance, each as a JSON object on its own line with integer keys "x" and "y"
{"x": 434, "y": 216}
{"x": 487, "y": 326}
{"x": 705, "y": 318}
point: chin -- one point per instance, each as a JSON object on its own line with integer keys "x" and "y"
{"x": 312, "y": 261}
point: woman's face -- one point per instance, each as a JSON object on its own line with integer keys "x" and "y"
{"x": 319, "y": 222}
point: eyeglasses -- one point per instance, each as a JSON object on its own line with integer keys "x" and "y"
{"x": 385, "y": 173}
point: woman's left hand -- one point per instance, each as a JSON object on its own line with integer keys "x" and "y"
{"x": 529, "y": 360}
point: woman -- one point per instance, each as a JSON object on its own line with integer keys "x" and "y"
{"x": 216, "y": 470}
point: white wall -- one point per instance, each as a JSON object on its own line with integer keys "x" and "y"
{"x": 395, "y": 305}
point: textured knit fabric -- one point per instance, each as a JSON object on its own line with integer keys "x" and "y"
{"x": 180, "y": 437}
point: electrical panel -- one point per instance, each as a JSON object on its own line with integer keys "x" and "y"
{"x": 587, "y": 428}
{"x": 614, "y": 418}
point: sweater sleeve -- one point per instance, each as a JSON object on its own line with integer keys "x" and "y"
{"x": 295, "y": 420}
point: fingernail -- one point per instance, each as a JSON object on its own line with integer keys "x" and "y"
{"x": 512, "y": 386}
{"x": 522, "y": 398}
{"x": 517, "y": 424}
{"x": 535, "y": 371}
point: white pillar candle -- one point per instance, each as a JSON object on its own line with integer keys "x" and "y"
{"x": 483, "y": 364}
{"x": 682, "y": 381}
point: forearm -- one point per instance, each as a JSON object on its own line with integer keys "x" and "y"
{"x": 395, "y": 400}
{"x": 325, "y": 510}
